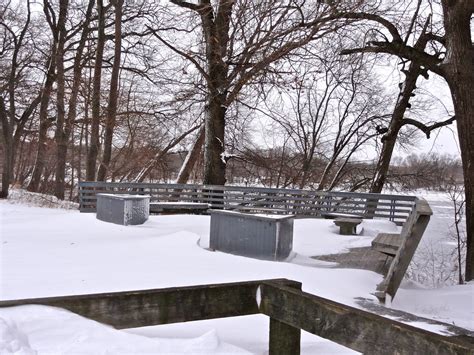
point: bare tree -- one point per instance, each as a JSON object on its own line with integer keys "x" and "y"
{"x": 63, "y": 136}
{"x": 191, "y": 158}
{"x": 398, "y": 118}
{"x": 242, "y": 39}
{"x": 12, "y": 122}
{"x": 456, "y": 66}
{"x": 44, "y": 120}
{"x": 60, "y": 93}
{"x": 334, "y": 111}
{"x": 113, "y": 93}
{"x": 94, "y": 144}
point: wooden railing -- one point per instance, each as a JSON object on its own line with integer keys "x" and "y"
{"x": 289, "y": 309}
{"x": 302, "y": 203}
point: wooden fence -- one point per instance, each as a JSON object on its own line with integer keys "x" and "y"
{"x": 302, "y": 203}
{"x": 289, "y": 309}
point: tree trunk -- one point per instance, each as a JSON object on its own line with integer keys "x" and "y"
{"x": 383, "y": 164}
{"x": 60, "y": 97}
{"x": 191, "y": 158}
{"x": 45, "y": 123}
{"x": 7, "y": 150}
{"x": 325, "y": 176}
{"x": 63, "y": 140}
{"x": 463, "y": 94}
{"x": 214, "y": 163}
{"x": 95, "y": 124}
{"x": 396, "y": 122}
{"x": 459, "y": 73}
{"x": 216, "y": 34}
{"x": 113, "y": 94}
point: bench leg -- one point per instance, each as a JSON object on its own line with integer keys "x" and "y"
{"x": 347, "y": 230}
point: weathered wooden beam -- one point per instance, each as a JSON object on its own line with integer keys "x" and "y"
{"x": 411, "y": 235}
{"x": 131, "y": 309}
{"x": 284, "y": 338}
{"x": 355, "y": 328}
{"x": 387, "y": 243}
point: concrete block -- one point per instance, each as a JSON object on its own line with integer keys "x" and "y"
{"x": 268, "y": 237}
{"x": 123, "y": 209}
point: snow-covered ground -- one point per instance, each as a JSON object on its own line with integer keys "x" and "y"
{"x": 52, "y": 252}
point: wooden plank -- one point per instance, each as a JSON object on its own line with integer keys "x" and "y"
{"x": 355, "y": 328}
{"x": 342, "y": 206}
{"x": 411, "y": 235}
{"x": 284, "y": 339}
{"x": 290, "y": 201}
{"x": 254, "y": 189}
{"x": 245, "y": 190}
{"x": 142, "y": 308}
{"x": 300, "y": 212}
{"x": 316, "y": 200}
{"x": 387, "y": 243}
{"x": 87, "y": 210}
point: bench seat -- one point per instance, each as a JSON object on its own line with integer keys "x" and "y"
{"x": 347, "y": 225}
{"x": 387, "y": 243}
{"x": 178, "y": 207}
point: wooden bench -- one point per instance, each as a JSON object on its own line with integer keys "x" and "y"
{"x": 178, "y": 207}
{"x": 347, "y": 226}
{"x": 401, "y": 248}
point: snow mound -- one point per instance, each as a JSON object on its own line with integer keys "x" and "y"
{"x": 34, "y": 199}
{"x": 13, "y": 341}
{"x": 372, "y": 227}
{"x": 57, "y": 331}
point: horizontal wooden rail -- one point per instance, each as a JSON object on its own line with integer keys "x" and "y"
{"x": 260, "y": 200}
{"x": 289, "y": 309}
{"x": 143, "y": 308}
{"x": 357, "y": 329}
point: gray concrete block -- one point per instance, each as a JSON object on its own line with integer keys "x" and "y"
{"x": 123, "y": 209}
{"x": 268, "y": 237}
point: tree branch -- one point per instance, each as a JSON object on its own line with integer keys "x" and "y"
{"x": 187, "y": 5}
{"x": 397, "y": 46}
{"x": 376, "y": 18}
{"x": 181, "y": 53}
{"x": 427, "y": 129}
{"x": 429, "y": 61}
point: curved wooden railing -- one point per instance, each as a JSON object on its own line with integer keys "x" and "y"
{"x": 302, "y": 203}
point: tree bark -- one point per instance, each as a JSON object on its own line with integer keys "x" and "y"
{"x": 216, "y": 28}
{"x": 9, "y": 118}
{"x": 214, "y": 163}
{"x": 459, "y": 73}
{"x": 63, "y": 139}
{"x": 191, "y": 158}
{"x": 113, "y": 94}
{"x": 7, "y": 150}
{"x": 396, "y": 123}
{"x": 60, "y": 97}
{"x": 44, "y": 124}
{"x": 94, "y": 143}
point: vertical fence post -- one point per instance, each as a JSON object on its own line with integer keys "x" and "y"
{"x": 284, "y": 339}
{"x": 392, "y": 210}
